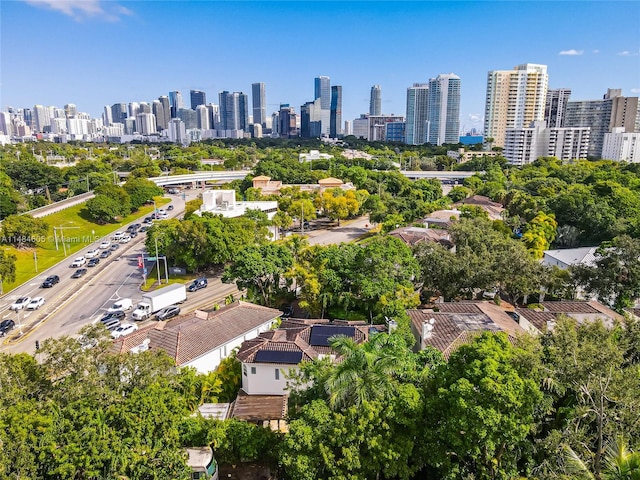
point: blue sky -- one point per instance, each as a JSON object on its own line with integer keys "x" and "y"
{"x": 96, "y": 52}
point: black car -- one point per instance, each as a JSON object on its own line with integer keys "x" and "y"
{"x": 119, "y": 315}
{"x": 5, "y": 326}
{"x": 79, "y": 272}
{"x": 50, "y": 281}
{"x": 93, "y": 262}
{"x": 115, "y": 246}
{"x": 144, "y": 228}
{"x": 105, "y": 254}
{"x": 287, "y": 311}
{"x": 133, "y": 233}
{"x": 169, "y": 208}
{"x": 148, "y": 219}
{"x": 167, "y": 313}
{"x": 197, "y": 284}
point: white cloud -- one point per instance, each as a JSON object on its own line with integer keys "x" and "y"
{"x": 596, "y": 51}
{"x": 571, "y": 52}
{"x": 627, "y": 53}
{"x": 635, "y": 90}
{"x": 81, "y": 9}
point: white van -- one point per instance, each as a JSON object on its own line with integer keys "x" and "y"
{"x": 121, "y": 305}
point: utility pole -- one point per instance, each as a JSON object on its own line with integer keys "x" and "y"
{"x": 157, "y": 260}
{"x": 301, "y": 217}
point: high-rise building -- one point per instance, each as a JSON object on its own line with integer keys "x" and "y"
{"x": 612, "y": 111}
{"x": 134, "y": 109}
{"x": 157, "y": 108}
{"x": 322, "y": 91}
{"x": 525, "y": 145}
{"x": 515, "y": 98}
{"x": 621, "y": 146}
{"x": 197, "y": 98}
{"x": 378, "y": 126}
{"x": 287, "y": 122}
{"x": 178, "y": 132}
{"x": 416, "y": 124}
{"x": 556, "y": 106}
{"x": 234, "y": 111}
{"x": 335, "y": 120}
{"x": 166, "y": 109}
{"x": 42, "y": 117}
{"x": 375, "y": 101}
{"x": 188, "y": 117}
{"x": 176, "y": 102}
{"x": 202, "y": 116}
{"x": 70, "y": 110}
{"x": 146, "y": 123}
{"x": 119, "y": 112}
{"x": 259, "y": 99}
{"x": 144, "y": 107}
{"x": 348, "y": 128}
{"x": 5, "y": 124}
{"x": 311, "y": 119}
{"x": 394, "y": 132}
{"x": 107, "y": 117}
{"x": 443, "y": 110}
{"x": 361, "y": 126}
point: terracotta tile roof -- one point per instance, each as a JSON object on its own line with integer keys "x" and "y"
{"x": 494, "y": 209}
{"x": 568, "y": 307}
{"x": 257, "y": 408}
{"x": 190, "y": 336}
{"x": 414, "y": 235}
{"x": 457, "y": 307}
{"x": 580, "y": 311}
{"x": 537, "y": 319}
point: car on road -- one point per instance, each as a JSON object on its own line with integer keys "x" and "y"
{"x": 5, "y": 326}
{"x": 133, "y": 233}
{"x": 119, "y": 315}
{"x": 78, "y": 262}
{"x": 35, "y": 303}
{"x": 173, "y": 191}
{"x": 111, "y": 323}
{"x": 121, "y": 305}
{"x": 105, "y": 244}
{"x": 125, "y": 239}
{"x": 92, "y": 253}
{"x": 50, "y": 281}
{"x": 105, "y": 254}
{"x": 123, "y": 330}
{"x": 162, "y": 211}
{"x": 79, "y": 273}
{"x": 20, "y": 303}
{"x": 93, "y": 262}
{"x": 144, "y": 228}
{"x": 168, "y": 312}
{"x": 169, "y": 208}
{"x": 117, "y": 236}
{"x": 148, "y": 219}
{"x": 114, "y": 246}
{"x": 197, "y": 284}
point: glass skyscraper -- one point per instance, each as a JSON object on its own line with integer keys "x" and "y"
{"x": 443, "y": 110}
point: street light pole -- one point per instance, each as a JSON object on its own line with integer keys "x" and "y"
{"x": 157, "y": 260}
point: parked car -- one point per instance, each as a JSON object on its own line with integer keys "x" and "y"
{"x": 125, "y": 239}
{"x": 93, "y": 262}
{"x": 105, "y": 254}
{"x": 50, "y": 281}
{"x": 92, "y": 253}
{"x": 78, "y": 262}
{"x": 114, "y": 246}
{"x": 20, "y": 303}
{"x": 5, "y": 326}
{"x": 79, "y": 273}
{"x": 105, "y": 244}
{"x": 197, "y": 284}
{"x": 168, "y": 312}
{"x": 123, "y": 330}
{"x": 35, "y": 303}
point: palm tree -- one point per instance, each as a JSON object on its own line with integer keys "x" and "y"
{"x": 619, "y": 463}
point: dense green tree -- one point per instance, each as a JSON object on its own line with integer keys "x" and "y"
{"x": 140, "y": 191}
{"x": 23, "y": 230}
{"x": 7, "y": 267}
{"x": 104, "y": 209}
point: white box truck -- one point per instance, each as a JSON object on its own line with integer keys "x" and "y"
{"x": 159, "y": 299}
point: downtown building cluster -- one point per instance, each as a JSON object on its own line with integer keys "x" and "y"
{"x": 522, "y": 116}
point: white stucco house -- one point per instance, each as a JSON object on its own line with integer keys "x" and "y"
{"x": 202, "y": 339}
{"x": 223, "y": 202}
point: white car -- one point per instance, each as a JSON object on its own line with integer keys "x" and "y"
{"x": 117, "y": 236}
{"x": 35, "y": 303}
{"x": 78, "y": 262}
{"x": 92, "y": 253}
{"x": 105, "y": 244}
{"x": 20, "y": 303}
{"x": 125, "y": 239}
{"x": 162, "y": 211}
{"x": 124, "y": 329}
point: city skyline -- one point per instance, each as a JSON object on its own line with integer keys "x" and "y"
{"x": 591, "y": 49}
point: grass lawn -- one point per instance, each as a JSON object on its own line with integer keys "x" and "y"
{"x": 79, "y": 231}
{"x": 152, "y": 278}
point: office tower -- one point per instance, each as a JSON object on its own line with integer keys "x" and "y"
{"x": 443, "y": 110}
{"x": 197, "y": 98}
{"x": 42, "y": 117}
{"x": 107, "y": 117}
{"x": 525, "y": 145}
{"x": 158, "y": 110}
{"x": 612, "y": 111}
{"x": 5, "y": 123}
{"x": 234, "y": 113}
{"x": 176, "y": 102}
{"x": 256, "y": 130}
{"x": 188, "y": 117}
{"x": 335, "y": 120}
{"x": 348, "y": 128}
{"x": 394, "y": 132}
{"x": 322, "y": 91}
{"x": 130, "y": 126}
{"x": 144, "y": 107}
{"x": 57, "y": 112}
{"x": 556, "y": 106}
{"x": 621, "y": 146}
{"x": 214, "y": 116}
{"x": 133, "y": 109}
{"x": 202, "y": 117}
{"x": 146, "y": 123}
{"x": 166, "y": 110}
{"x": 70, "y": 110}
{"x": 178, "y": 132}
{"x": 287, "y": 121}
{"x": 361, "y": 126}
{"x": 259, "y": 99}
{"x": 416, "y": 124}
{"x": 378, "y": 126}
{"x": 515, "y": 98}
{"x": 375, "y": 101}
{"x": 311, "y": 119}
{"x": 119, "y": 112}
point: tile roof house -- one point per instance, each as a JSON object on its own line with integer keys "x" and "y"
{"x": 493, "y": 209}
{"x": 541, "y": 320}
{"x": 441, "y": 218}
{"x": 273, "y": 356}
{"x": 449, "y": 325}
{"x": 414, "y": 235}
{"x": 273, "y": 187}
{"x": 202, "y": 339}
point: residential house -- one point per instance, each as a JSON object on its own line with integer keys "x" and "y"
{"x": 566, "y": 257}
{"x": 273, "y": 187}
{"x": 414, "y": 235}
{"x": 539, "y": 320}
{"x": 441, "y": 218}
{"x": 203, "y": 338}
{"x": 493, "y": 209}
